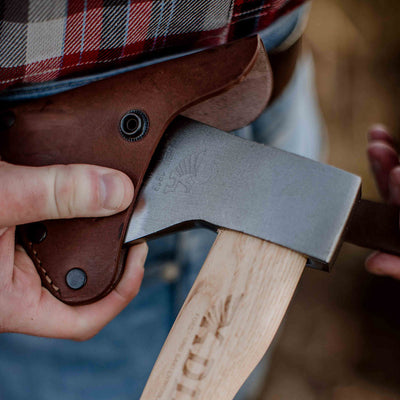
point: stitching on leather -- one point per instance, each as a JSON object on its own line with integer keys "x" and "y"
{"x": 46, "y": 275}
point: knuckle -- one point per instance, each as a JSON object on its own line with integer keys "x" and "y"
{"x": 83, "y": 331}
{"x": 138, "y": 282}
{"x": 83, "y": 336}
{"x": 131, "y": 287}
{"x": 75, "y": 191}
{"x": 134, "y": 292}
{"x": 63, "y": 191}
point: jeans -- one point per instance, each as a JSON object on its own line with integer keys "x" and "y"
{"x": 116, "y": 363}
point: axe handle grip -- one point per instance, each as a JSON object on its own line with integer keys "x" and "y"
{"x": 227, "y": 321}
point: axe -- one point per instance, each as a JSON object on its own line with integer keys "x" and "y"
{"x": 274, "y": 212}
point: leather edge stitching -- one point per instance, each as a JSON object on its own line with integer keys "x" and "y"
{"x": 46, "y": 275}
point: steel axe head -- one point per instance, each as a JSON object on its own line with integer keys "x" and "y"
{"x": 202, "y": 176}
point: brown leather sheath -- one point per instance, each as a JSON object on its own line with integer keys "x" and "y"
{"x": 226, "y": 87}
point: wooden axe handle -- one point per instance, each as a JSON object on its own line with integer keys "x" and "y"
{"x": 228, "y": 320}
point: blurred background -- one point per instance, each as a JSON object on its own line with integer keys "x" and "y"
{"x": 341, "y": 337}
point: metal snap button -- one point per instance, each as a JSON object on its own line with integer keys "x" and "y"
{"x": 134, "y": 125}
{"x": 76, "y": 278}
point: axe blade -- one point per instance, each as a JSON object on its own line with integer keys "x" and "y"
{"x": 201, "y": 176}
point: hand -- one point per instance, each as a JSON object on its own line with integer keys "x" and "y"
{"x": 384, "y": 161}
{"x": 30, "y": 194}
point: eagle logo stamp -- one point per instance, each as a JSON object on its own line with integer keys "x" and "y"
{"x": 193, "y": 170}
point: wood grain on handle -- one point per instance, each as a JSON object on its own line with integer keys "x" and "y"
{"x": 227, "y": 321}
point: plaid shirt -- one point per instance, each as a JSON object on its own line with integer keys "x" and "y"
{"x": 42, "y": 40}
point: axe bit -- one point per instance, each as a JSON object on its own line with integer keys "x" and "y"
{"x": 202, "y": 176}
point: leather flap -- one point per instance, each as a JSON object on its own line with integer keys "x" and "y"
{"x": 83, "y": 126}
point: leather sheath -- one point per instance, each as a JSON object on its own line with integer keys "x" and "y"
{"x": 227, "y": 87}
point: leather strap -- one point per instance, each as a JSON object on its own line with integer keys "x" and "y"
{"x": 83, "y": 126}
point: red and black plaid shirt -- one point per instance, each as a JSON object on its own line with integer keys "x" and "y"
{"x": 42, "y": 40}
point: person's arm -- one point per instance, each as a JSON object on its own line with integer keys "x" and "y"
{"x": 30, "y": 194}
{"x": 384, "y": 161}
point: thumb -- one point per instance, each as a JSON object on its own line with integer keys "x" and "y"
{"x": 29, "y": 194}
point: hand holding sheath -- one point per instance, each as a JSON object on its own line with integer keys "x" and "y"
{"x": 118, "y": 123}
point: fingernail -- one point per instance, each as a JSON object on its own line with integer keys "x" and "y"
{"x": 378, "y": 127}
{"x": 112, "y": 191}
{"x": 379, "y": 132}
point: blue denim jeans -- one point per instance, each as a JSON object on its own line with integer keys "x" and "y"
{"x": 116, "y": 363}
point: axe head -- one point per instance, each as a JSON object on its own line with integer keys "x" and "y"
{"x": 202, "y": 176}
